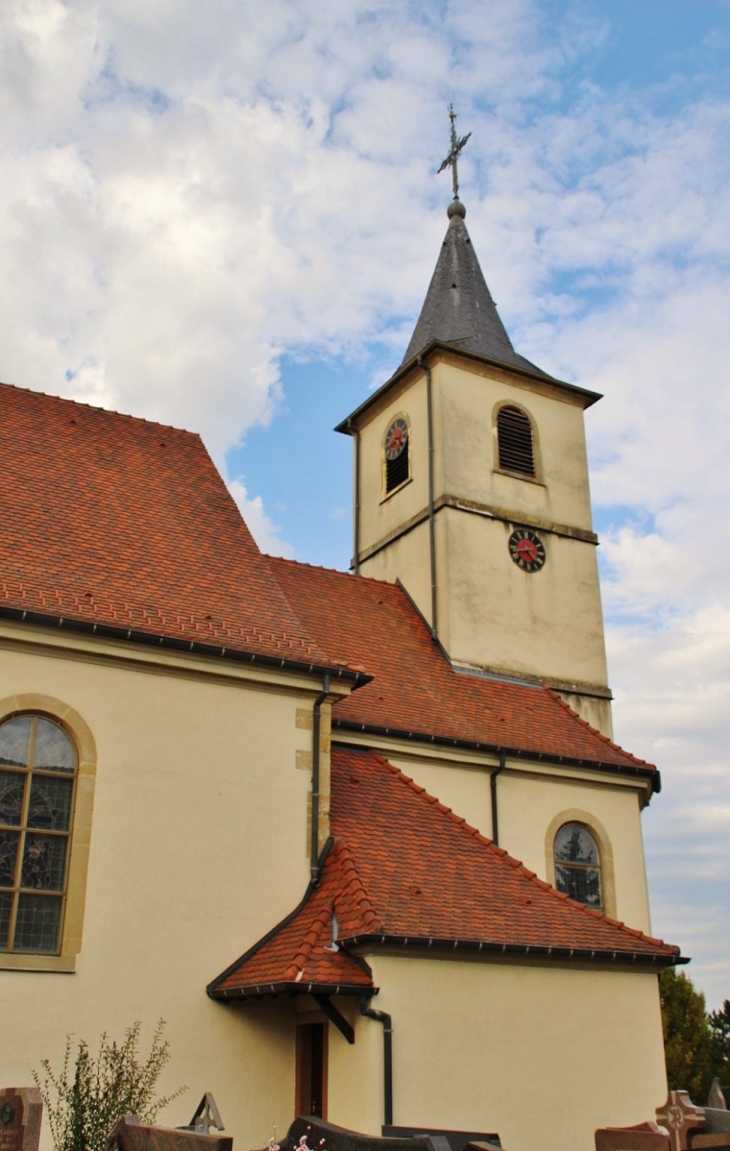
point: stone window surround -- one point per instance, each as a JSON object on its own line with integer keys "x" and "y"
{"x": 608, "y": 883}
{"x": 73, "y": 917}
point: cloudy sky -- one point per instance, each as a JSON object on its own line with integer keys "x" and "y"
{"x": 224, "y": 214}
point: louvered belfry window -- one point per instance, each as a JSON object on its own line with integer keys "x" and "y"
{"x": 514, "y": 434}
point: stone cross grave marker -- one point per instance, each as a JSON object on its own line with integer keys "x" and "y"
{"x": 680, "y": 1117}
{"x": 21, "y": 1109}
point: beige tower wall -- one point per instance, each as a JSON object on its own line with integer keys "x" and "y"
{"x": 490, "y": 613}
{"x": 198, "y": 847}
{"x": 532, "y": 1053}
{"x": 546, "y": 624}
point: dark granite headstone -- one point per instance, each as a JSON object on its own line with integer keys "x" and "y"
{"x": 21, "y": 1111}
{"x": 307, "y": 1131}
{"x": 131, "y": 1135}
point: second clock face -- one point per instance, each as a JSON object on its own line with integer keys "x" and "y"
{"x": 395, "y": 439}
{"x": 526, "y": 550}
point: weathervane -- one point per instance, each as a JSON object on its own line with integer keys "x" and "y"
{"x": 456, "y": 146}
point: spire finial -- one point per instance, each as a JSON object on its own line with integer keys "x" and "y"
{"x": 453, "y": 156}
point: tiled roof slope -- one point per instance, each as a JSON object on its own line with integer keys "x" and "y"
{"x": 117, "y": 521}
{"x": 406, "y": 869}
{"x": 298, "y": 955}
{"x": 424, "y": 873}
{"x": 369, "y": 623}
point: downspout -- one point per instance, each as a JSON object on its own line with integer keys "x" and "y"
{"x": 316, "y": 742}
{"x": 431, "y": 516}
{"x": 385, "y": 1019}
{"x": 493, "y": 790}
{"x": 356, "y": 519}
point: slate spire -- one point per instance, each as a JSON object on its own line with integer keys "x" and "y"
{"x": 458, "y": 308}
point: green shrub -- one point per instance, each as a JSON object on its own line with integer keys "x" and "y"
{"x": 91, "y": 1094}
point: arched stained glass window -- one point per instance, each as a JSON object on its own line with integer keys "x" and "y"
{"x": 578, "y": 865}
{"x": 514, "y": 437}
{"x": 37, "y": 776}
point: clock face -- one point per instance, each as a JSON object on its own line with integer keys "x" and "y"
{"x": 526, "y": 550}
{"x": 396, "y": 439}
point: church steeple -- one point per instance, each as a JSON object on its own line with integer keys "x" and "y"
{"x": 471, "y": 489}
{"x": 459, "y": 308}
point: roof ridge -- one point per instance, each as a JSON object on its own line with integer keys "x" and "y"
{"x": 99, "y": 408}
{"x": 341, "y": 853}
{"x": 594, "y": 730}
{"x": 311, "y": 938}
{"x": 517, "y": 864}
{"x": 350, "y": 575}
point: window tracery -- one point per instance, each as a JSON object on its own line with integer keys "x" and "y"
{"x": 578, "y": 865}
{"x": 38, "y": 767}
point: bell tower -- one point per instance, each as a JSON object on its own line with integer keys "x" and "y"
{"x": 471, "y": 489}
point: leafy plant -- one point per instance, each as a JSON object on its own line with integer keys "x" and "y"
{"x": 696, "y": 1045}
{"x": 88, "y": 1096}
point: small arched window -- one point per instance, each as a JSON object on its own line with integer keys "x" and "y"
{"x": 514, "y": 437}
{"x": 397, "y": 454}
{"x": 38, "y": 766}
{"x": 578, "y": 865}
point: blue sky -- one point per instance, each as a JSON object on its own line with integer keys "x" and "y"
{"x": 238, "y": 215}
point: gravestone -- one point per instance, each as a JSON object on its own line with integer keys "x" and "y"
{"x": 681, "y": 1119}
{"x": 21, "y": 1110}
{"x": 643, "y": 1137}
{"x": 131, "y": 1135}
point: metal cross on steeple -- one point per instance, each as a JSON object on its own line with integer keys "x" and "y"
{"x": 456, "y": 146}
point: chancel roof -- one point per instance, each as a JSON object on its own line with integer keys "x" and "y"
{"x": 459, "y": 308}
{"x": 405, "y": 870}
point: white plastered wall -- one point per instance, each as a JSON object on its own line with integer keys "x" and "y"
{"x": 538, "y": 1055}
{"x": 198, "y": 848}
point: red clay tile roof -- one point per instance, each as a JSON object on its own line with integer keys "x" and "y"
{"x": 420, "y": 871}
{"x": 369, "y": 623}
{"x": 114, "y": 520}
{"x": 406, "y": 868}
{"x": 297, "y": 954}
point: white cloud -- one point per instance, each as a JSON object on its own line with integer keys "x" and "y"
{"x": 263, "y": 529}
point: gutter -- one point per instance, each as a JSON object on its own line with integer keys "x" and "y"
{"x": 577, "y": 954}
{"x": 650, "y": 774}
{"x": 493, "y": 795}
{"x": 153, "y": 639}
{"x": 314, "y": 865}
{"x": 387, "y": 1022}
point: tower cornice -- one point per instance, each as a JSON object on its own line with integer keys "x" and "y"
{"x": 437, "y": 348}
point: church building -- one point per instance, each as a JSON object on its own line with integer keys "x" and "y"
{"x": 363, "y": 839}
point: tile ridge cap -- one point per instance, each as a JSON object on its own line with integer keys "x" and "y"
{"x": 311, "y": 938}
{"x": 350, "y": 575}
{"x": 342, "y": 854}
{"x": 551, "y": 691}
{"x": 516, "y": 864}
{"x": 101, "y": 408}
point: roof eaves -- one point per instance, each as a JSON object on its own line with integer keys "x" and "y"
{"x": 666, "y": 958}
{"x": 346, "y": 426}
{"x": 259, "y": 990}
{"x": 647, "y": 770}
{"x": 154, "y": 639}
